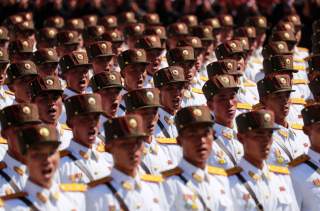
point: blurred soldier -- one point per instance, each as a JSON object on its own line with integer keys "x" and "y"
{"x": 20, "y": 50}
{"x": 47, "y": 61}
{"x": 176, "y": 31}
{"x": 6, "y": 97}
{"x": 132, "y": 33}
{"x": 68, "y": 41}
{"x": 227, "y": 25}
{"x": 4, "y": 37}
{"x": 92, "y": 34}
{"x": 47, "y": 37}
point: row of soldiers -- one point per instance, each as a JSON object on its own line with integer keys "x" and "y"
{"x": 114, "y": 113}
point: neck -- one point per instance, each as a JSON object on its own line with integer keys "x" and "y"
{"x": 169, "y": 110}
{"x": 130, "y": 172}
{"x": 281, "y": 121}
{"x": 201, "y": 165}
{"x": 45, "y": 184}
{"x": 149, "y": 139}
{"x": 256, "y": 162}
{"x": 85, "y": 144}
{"x": 226, "y": 122}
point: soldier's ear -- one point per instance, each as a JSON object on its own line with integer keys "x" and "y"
{"x": 179, "y": 140}
{"x": 210, "y": 104}
{"x": 306, "y": 129}
{"x": 240, "y": 137}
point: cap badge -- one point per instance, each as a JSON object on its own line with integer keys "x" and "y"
{"x": 283, "y": 81}
{"x": 197, "y": 112}
{"x": 49, "y": 82}
{"x": 267, "y": 117}
{"x": 91, "y": 101}
{"x": 139, "y": 53}
{"x": 44, "y": 132}
{"x": 80, "y": 56}
{"x": 26, "y": 110}
{"x": 50, "y": 53}
{"x": 27, "y": 66}
{"x": 185, "y": 52}
{"x": 103, "y": 46}
{"x": 225, "y": 79}
{"x": 281, "y": 46}
{"x": 229, "y": 65}
{"x": 112, "y": 77}
{"x": 110, "y": 20}
{"x": 233, "y": 45}
{"x": 150, "y": 95}
{"x": 133, "y": 123}
{"x": 175, "y": 72}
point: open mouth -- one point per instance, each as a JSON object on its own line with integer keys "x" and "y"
{"x": 92, "y": 133}
{"x": 82, "y": 82}
{"x": 52, "y": 111}
{"x": 114, "y": 107}
{"x": 47, "y": 172}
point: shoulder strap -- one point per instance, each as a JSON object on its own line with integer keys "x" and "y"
{"x": 217, "y": 171}
{"x": 152, "y": 178}
{"x": 73, "y": 187}
{"x": 22, "y": 196}
{"x": 145, "y": 167}
{"x": 99, "y": 182}
{"x": 279, "y": 169}
{"x": 122, "y": 107}
{"x": 163, "y": 129}
{"x": 234, "y": 170}
{"x": 301, "y": 159}
{"x": 285, "y": 149}
{"x": 82, "y": 167}
{"x": 224, "y": 148}
{"x": 172, "y": 172}
{"x": 306, "y": 159}
{"x": 120, "y": 200}
{"x": 8, "y": 178}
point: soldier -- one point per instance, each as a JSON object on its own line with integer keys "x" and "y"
{"x": 176, "y": 31}
{"x": 193, "y": 184}
{"x": 20, "y": 50}
{"x": 4, "y": 37}
{"x": 132, "y": 33}
{"x": 304, "y": 173}
{"x": 254, "y": 184}
{"x": 221, "y": 94}
{"x": 92, "y": 34}
{"x": 75, "y": 71}
{"x": 126, "y": 189}
{"x": 20, "y": 74}
{"x": 13, "y": 171}
{"x": 68, "y": 41}
{"x": 6, "y": 97}
{"x": 39, "y": 144}
{"x": 84, "y": 160}
{"x": 47, "y": 37}
{"x": 159, "y": 155}
{"x": 117, "y": 40}
{"x": 47, "y": 61}
{"x": 227, "y": 25}
{"x": 47, "y": 93}
{"x": 274, "y": 95}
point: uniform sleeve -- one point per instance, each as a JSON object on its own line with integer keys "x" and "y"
{"x": 297, "y": 187}
{"x": 171, "y": 192}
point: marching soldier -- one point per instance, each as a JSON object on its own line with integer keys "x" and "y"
{"x": 4, "y": 37}
{"x": 84, "y": 160}
{"x": 126, "y": 189}
{"x": 20, "y": 50}
{"x": 67, "y": 42}
{"x": 176, "y": 31}
{"x": 193, "y": 184}
{"x": 46, "y": 37}
{"x": 39, "y": 144}
{"x": 46, "y": 60}
{"x": 6, "y": 97}
{"x": 254, "y": 184}
{"x": 132, "y": 33}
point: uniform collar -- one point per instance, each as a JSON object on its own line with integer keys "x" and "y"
{"x": 153, "y": 147}
{"x": 285, "y": 132}
{"x": 83, "y": 151}
{"x": 166, "y": 117}
{"x": 42, "y": 194}
{"x": 224, "y": 131}
{"x": 254, "y": 172}
{"x": 314, "y": 155}
{"x": 14, "y": 164}
{"x": 125, "y": 181}
{"x": 194, "y": 172}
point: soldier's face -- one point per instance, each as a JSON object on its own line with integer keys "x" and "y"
{"x": 189, "y": 70}
{"x": 313, "y": 131}
{"x": 134, "y": 76}
{"x": 85, "y": 128}
{"x": 278, "y": 103}
{"x": 3, "y": 72}
{"x": 227, "y": 33}
{"x": 50, "y": 106}
{"x": 196, "y": 143}
{"x": 21, "y": 88}
{"x": 110, "y": 100}
{"x": 153, "y": 57}
{"x": 240, "y": 62}
{"x": 45, "y": 70}
{"x": 150, "y": 117}
{"x": 42, "y": 163}
{"x": 171, "y": 96}
{"x": 127, "y": 154}
{"x": 77, "y": 79}
{"x": 102, "y": 64}
{"x": 260, "y": 141}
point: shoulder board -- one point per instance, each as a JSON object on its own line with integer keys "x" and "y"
{"x": 249, "y": 83}
{"x": 152, "y": 178}
{"x": 297, "y": 161}
{"x": 163, "y": 58}
{"x": 217, "y": 171}
{"x": 298, "y": 60}
{"x": 299, "y": 67}
{"x": 99, "y": 182}
{"x": 14, "y": 196}
{"x": 303, "y": 49}
{"x": 9, "y": 92}
{"x": 3, "y": 140}
{"x": 65, "y": 127}
{"x": 64, "y": 153}
{"x": 299, "y": 101}
{"x": 296, "y": 126}
{"x": 234, "y": 170}
{"x": 299, "y": 81}
{"x": 166, "y": 140}
{"x": 3, "y": 165}
{"x": 171, "y": 172}
{"x": 1, "y": 203}
{"x": 203, "y": 78}
{"x": 279, "y": 169}
{"x": 73, "y": 187}
{"x": 257, "y": 106}
{"x": 246, "y": 106}
{"x": 196, "y": 90}
{"x": 257, "y": 61}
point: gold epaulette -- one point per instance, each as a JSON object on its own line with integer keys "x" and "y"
{"x": 196, "y": 90}
{"x": 3, "y": 140}
{"x": 204, "y": 78}
{"x": 299, "y": 101}
{"x": 245, "y": 106}
{"x": 217, "y": 171}
{"x": 64, "y": 153}
{"x": 297, "y": 161}
{"x": 299, "y": 67}
{"x": 65, "y": 127}
{"x": 299, "y": 81}
{"x": 3, "y": 165}
{"x": 171, "y": 172}
{"x": 152, "y": 178}
{"x": 1, "y": 203}
{"x": 249, "y": 83}
{"x": 310, "y": 102}
{"x": 101, "y": 147}
{"x": 278, "y": 169}
{"x": 257, "y": 106}
{"x": 73, "y": 187}
{"x": 296, "y": 126}
{"x": 303, "y": 49}
{"x": 234, "y": 170}
{"x": 9, "y": 92}
{"x": 166, "y": 140}
{"x": 257, "y": 61}
{"x": 95, "y": 183}
{"x": 14, "y": 196}
{"x": 298, "y": 60}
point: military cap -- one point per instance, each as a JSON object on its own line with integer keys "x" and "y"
{"x": 142, "y": 98}
{"x": 311, "y": 114}
{"x": 4, "y": 34}
{"x": 90, "y": 20}
{"x": 106, "y": 80}
{"x": 221, "y": 67}
{"x": 46, "y": 56}
{"x": 284, "y": 36}
{"x": 55, "y": 21}
{"x": 38, "y": 135}
{"x": 284, "y": 26}
{"x": 20, "y": 69}
{"x": 244, "y": 41}
{"x": 213, "y": 22}
{"x": 47, "y": 35}
{"x": 149, "y": 42}
{"x": 127, "y": 18}
{"x": 192, "y": 41}
{"x": 20, "y": 46}
{"x": 156, "y": 30}
{"x": 169, "y": 75}
{"x": 255, "y": 120}
{"x": 314, "y": 85}
{"x": 278, "y": 63}
{"x": 125, "y": 127}
{"x": 13, "y": 20}
{"x": 68, "y": 37}
{"x": 229, "y": 48}
{"x": 28, "y": 16}
{"x": 218, "y": 83}
{"x": 109, "y": 21}
{"x": 76, "y": 24}
{"x": 275, "y": 48}
{"x": 25, "y": 27}
{"x": 151, "y": 19}
{"x": 180, "y": 55}
{"x": 314, "y": 62}
{"x": 315, "y": 38}
{"x": 134, "y": 30}
{"x": 46, "y": 84}
{"x": 190, "y": 116}
{"x": 73, "y": 60}
{"x": 93, "y": 33}
{"x": 114, "y": 36}
{"x": 189, "y": 20}
{"x": 295, "y": 19}
{"x": 203, "y": 32}
{"x": 226, "y": 20}
{"x": 246, "y": 31}
{"x": 19, "y": 114}
{"x": 177, "y": 29}
{"x": 316, "y": 26}
{"x": 275, "y": 84}
{"x": 4, "y": 58}
{"x": 83, "y": 104}
{"x": 132, "y": 56}
{"x": 259, "y": 22}
{"x": 100, "y": 49}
